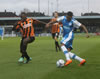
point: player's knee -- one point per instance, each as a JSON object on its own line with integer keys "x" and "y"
{"x": 33, "y": 39}
{"x": 22, "y": 50}
{"x": 69, "y": 49}
{"x": 62, "y": 44}
{"x": 24, "y": 42}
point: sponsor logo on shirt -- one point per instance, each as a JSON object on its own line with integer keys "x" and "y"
{"x": 27, "y": 25}
{"x": 66, "y": 27}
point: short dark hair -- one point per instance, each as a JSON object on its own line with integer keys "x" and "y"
{"x": 69, "y": 13}
{"x": 55, "y": 12}
{"x": 23, "y": 13}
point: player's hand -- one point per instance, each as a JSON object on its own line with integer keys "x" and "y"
{"x": 87, "y": 36}
{"x": 47, "y": 25}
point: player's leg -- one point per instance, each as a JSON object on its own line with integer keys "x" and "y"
{"x": 21, "y": 46}
{"x": 56, "y": 42}
{"x": 24, "y": 48}
{"x": 74, "y": 56}
{"x": 53, "y": 36}
{"x": 21, "y": 59}
{"x": 66, "y": 53}
{"x": 64, "y": 43}
{"x": 57, "y": 35}
{"x": 25, "y": 44}
{"x": 57, "y": 45}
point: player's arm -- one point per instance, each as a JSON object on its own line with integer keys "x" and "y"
{"x": 38, "y": 21}
{"x": 85, "y": 29}
{"x": 41, "y": 22}
{"x": 54, "y": 21}
{"x": 78, "y": 24}
{"x": 16, "y": 27}
{"x": 50, "y": 23}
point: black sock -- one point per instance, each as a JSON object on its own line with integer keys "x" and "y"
{"x": 22, "y": 56}
{"x": 26, "y": 56}
{"x": 58, "y": 45}
{"x": 25, "y": 53}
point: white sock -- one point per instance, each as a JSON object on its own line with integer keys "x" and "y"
{"x": 65, "y": 52}
{"x": 72, "y": 55}
{"x": 67, "y": 56}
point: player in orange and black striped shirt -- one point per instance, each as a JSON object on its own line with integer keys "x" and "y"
{"x": 55, "y": 31}
{"x": 25, "y": 26}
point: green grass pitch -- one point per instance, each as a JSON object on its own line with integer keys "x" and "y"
{"x": 44, "y": 57}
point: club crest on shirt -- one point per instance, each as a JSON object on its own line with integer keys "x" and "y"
{"x": 70, "y": 24}
{"x": 27, "y": 25}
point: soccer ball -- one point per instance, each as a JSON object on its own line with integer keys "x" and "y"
{"x": 60, "y": 63}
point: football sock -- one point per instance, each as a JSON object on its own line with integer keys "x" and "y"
{"x": 65, "y": 52}
{"x": 26, "y": 55}
{"x": 22, "y": 56}
{"x": 57, "y": 45}
{"x": 73, "y": 56}
{"x": 24, "y": 52}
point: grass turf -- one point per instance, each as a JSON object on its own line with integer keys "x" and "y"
{"x": 44, "y": 57}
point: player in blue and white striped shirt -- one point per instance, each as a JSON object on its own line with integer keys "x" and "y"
{"x": 69, "y": 23}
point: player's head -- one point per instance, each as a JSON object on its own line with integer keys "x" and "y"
{"x": 69, "y": 15}
{"x": 23, "y": 16}
{"x": 55, "y": 14}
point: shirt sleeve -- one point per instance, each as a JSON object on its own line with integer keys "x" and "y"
{"x": 77, "y": 24}
{"x": 60, "y": 19}
{"x": 35, "y": 21}
{"x": 18, "y": 25}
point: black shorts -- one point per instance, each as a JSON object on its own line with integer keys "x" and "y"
{"x": 22, "y": 44}
{"x": 55, "y": 35}
{"x": 31, "y": 39}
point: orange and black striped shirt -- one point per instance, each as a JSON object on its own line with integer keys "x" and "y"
{"x": 26, "y": 28}
{"x": 55, "y": 27}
